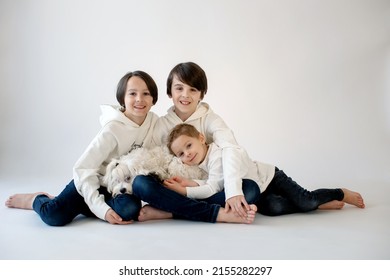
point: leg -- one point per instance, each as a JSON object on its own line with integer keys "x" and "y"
{"x": 166, "y": 204}
{"x": 62, "y": 209}
{"x": 292, "y": 198}
{"x": 125, "y": 205}
{"x": 151, "y": 191}
{"x": 148, "y": 213}
{"x": 271, "y": 204}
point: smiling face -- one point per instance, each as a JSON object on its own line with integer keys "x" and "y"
{"x": 185, "y": 98}
{"x": 138, "y": 100}
{"x": 190, "y": 150}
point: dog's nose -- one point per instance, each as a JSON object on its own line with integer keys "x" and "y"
{"x": 123, "y": 190}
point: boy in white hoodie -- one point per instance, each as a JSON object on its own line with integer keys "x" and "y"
{"x": 124, "y": 127}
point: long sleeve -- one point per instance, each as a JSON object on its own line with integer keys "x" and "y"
{"x": 214, "y": 183}
{"x": 86, "y": 172}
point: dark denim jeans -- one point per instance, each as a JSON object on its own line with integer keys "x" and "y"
{"x": 154, "y": 193}
{"x": 284, "y": 196}
{"x": 69, "y": 203}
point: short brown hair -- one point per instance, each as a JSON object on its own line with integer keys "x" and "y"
{"x": 179, "y": 130}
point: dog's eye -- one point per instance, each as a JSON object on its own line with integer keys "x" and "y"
{"x": 116, "y": 164}
{"x": 127, "y": 179}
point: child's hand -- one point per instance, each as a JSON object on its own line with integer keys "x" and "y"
{"x": 238, "y": 205}
{"x": 184, "y": 182}
{"x": 173, "y": 185}
{"x": 113, "y": 218}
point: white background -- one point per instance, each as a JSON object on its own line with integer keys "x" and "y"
{"x": 304, "y": 84}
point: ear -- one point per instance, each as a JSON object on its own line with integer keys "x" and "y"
{"x": 202, "y": 138}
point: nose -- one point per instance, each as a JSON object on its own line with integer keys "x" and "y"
{"x": 184, "y": 93}
{"x": 187, "y": 153}
{"x": 123, "y": 190}
{"x": 138, "y": 97}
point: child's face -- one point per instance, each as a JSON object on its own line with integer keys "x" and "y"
{"x": 185, "y": 98}
{"x": 138, "y": 100}
{"x": 190, "y": 150}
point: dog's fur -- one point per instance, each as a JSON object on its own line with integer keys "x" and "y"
{"x": 157, "y": 161}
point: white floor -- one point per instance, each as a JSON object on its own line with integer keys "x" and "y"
{"x": 348, "y": 234}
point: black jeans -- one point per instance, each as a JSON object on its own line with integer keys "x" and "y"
{"x": 284, "y": 196}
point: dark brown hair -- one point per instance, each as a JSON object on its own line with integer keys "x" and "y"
{"x": 122, "y": 84}
{"x": 191, "y": 74}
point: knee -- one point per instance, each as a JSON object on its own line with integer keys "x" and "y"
{"x": 55, "y": 220}
{"x": 251, "y": 191}
{"x": 143, "y": 185}
{"x": 271, "y": 207}
{"x": 127, "y": 207}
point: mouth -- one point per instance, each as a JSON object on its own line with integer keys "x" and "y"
{"x": 139, "y": 107}
{"x": 185, "y": 102}
{"x": 191, "y": 160}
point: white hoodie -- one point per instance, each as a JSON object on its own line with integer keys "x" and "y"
{"x": 117, "y": 136}
{"x": 215, "y": 130}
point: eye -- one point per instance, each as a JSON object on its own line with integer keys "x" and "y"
{"x": 147, "y": 93}
{"x": 127, "y": 179}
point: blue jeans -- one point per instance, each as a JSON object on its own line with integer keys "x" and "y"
{"x": 284, "y": 196}
{"x": 69, "y": 203}
{"x": 155, "y": 194}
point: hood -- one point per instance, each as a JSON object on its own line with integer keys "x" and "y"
{"x": 112, "y": 113}
{"x": 202, "y": 110}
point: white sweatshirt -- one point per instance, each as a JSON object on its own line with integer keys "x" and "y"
{"x": 116, "y": 137}
{"x": 261, "y": 173}
{"x": 215, "y": 130}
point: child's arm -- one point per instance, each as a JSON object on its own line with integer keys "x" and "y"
{"x": 212, "y": 164}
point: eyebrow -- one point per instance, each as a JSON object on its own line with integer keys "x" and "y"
{"x": 133, "y": 89}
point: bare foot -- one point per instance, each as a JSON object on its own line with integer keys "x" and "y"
{"x": 23, "y": 200}
{"x": 332, "y": 205}
{"x": 353, "y": 198}
{"x": 230, "y": 217}
{"x": 150, "y": 213}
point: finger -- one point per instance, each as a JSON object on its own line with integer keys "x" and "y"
{"x": 125, "y": 222}
{"x": 241, "y": 211}
{"x": 245, "y": 204}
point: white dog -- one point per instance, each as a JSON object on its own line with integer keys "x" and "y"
{"x": 157, "y": 161}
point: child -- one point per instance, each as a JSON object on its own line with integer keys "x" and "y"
{"x": 123, "y": 129}
{"x": 187, "y": 86}
{"x": 280, "y": 195}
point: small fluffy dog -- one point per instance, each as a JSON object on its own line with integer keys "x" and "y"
{"x": 157, "y": 161}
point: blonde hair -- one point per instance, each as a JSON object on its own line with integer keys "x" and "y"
{"x": 179, "y": 130}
